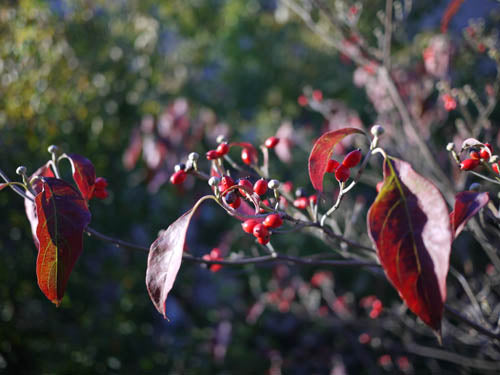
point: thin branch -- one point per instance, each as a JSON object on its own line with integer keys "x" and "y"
{"x": 455, "y": 314}
{"x": 388, "y": 34}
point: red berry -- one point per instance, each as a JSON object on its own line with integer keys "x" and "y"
{"x": 317, "y": 95}
{"x": 469, "y": 164}
{"x": 342, "y": 173}
{"x": 236, "y": 203}
{"x": 264, "y": 240}
{"x": 449, "y": 102}
{"x": 100, "y": 183}
{"x": 260, "y": 187}
{"x": 246, "y": 156}
{"x": 225, "y": 183}
{"x": 332, "y": 166}
{"x": 206, "y": 257}
{"x": 352, "y": 159}
{"x": 222, "y": 149}
{"x": 215, "y": 267}
{"x": 248, "y": 225}
{"x": 485, "y": 154}
{"x": 271, "y": 142}
{"x": 266, "y": 203}
{"x": 260, "y": 231}
{"x": 302, "y": 100}
{"x": 215, "y": 253}
{"x": 212, "y": 155}
{"x": 273, "y": 221}
{"x": 313, "y": 199}
{"x": 496, "y": 168}
{"x": 474, "y": 155}
{"x": 287, "y": 186}
{"x": 244, "y": 182}
{"x": 301, "y": 203}
{"x": 178, "y": 177}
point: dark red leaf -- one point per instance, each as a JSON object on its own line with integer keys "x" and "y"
{"x": 62, "y": 217}
{"x": 83, "y": 174}
{"x": 322, "y": 152}
{"x": 409, "y": 226}
{"x": 253, "y": 151}
{"x": 165, "y": 257}
{"x": 36, "y": 185}
{"x": 467, "y": 204}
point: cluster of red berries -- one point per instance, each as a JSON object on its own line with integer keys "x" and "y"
{"x": 317, "y": 95}
{"x": 215, "y": 254}
{"x": 374, "y": 304}
{"x": 342, "y": 170}
{"x": 476, "y": 156}
{"x": 261, "y": 229}
{"x": 233, "y": 197}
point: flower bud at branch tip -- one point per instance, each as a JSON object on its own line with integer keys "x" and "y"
{"x": 213, "y": 181}
{"x": 193, "y": 156}
{"x": 52, "y": 149}
{"x": 377, "y": 130}
{"x": 450, "y": 146}
{"x": 273, "y": 184}
{"x": 474, "y": 187}
{"x": 220, "y": 138}
{"x": 21, "y": 170}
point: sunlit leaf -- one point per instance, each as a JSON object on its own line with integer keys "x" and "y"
{"x": 165, "y": 257}
{"x": 467, "y": 204}
{"x": 62, "y": 217}
{"x": 83, "y": 174}
{"x": 322, "y": 152}
{"x": 409, "y": 226}
{"x": 36, "y": 185}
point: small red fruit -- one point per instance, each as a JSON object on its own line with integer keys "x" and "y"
{"x": 301, "y": 203}
{"x": 246, "y": 156}
{"x": 342, "y": 173}
{"x": 485, "y": 154}
{"x": 264, "y": 240}
{"x": 177, "y": 178}
{"x": 302, "y": 100}
{"x": 273, "y": 221}
{"x": 332, "y": 166}
{"x": 212, "y": 155}
{"x": 248, "y": 225}
{"x": 222, "y": 149}
{"x": 496, "y": 168}
{"x": 215, "y": 253}
{"x": 317, "y": 95}
{"x": 469, "y": 164}
{"x": 100, "y": 191}
{"x": 244, "y": 182}
{"x": 271, "y": 142}
{"x": 236, "y": 203}
{"x": 313, "y": 199}
{"x": 260, "y": 187}
{"x": 260, "y": 231}
{"x": 352, "y": 159}
{"x": 474, "y": 155}
{"x": 225, "y": 183}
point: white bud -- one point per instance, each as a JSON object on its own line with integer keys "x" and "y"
{"x": 193, "y": 156}
{"x": 273, "y": 184}
{"x": 450, "y": 146}
{"x": 220, "y": 138}
{"x": 179, "y": 167}
{"x": 21, "y": 170}
{"x": 214, "y": 181}
{"x": 377, "y": 130}
{"x": 52, "y": 149}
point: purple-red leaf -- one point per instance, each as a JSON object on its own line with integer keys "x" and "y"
{"x": 322, "y": 152}
{"x": 467, "y": 204}
{"x": 165, "y": 257}
{"x": 62, "y": 217}
{"x": 83, "y": 174}
{"x": 36, "y": 185}
{"x": 409, "y": 226}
